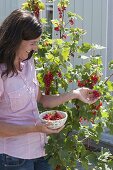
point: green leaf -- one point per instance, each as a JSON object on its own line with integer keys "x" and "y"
{"x": 105, "y": 114}
{"x": 41, "y": 5}
{"x": 65, "y": 53}
{"x": 110, "y": 85}
{"x": 43, "y": 20}
{"x": 58, "y": 42}
{"x": 111, "y": 64}
{"x": 50, "y": 56}
{"x": 92, "y": 158}
{"x": 71, "y": 14}
{"x": 85, "y": 48}
{"x": 25, "y": 6}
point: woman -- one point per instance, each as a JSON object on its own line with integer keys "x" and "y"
{"x": 22, "y": 136}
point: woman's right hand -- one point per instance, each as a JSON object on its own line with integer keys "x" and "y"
{"x": 44, "y": 129}
{"x": 86, "y": 95}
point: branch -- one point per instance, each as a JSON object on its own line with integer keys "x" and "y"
{"x": 108, "y": 78}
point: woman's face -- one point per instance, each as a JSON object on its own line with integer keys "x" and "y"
{"x": 25, "y": 48}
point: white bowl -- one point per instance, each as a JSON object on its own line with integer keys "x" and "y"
{"x": 54, "y": 124}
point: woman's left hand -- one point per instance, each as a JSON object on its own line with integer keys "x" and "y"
{"x": 86, "y": 95}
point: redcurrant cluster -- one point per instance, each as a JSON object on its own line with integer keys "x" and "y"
{"x": 90, "y": 82}
{"x": 95, "y": 108}
{"x": 36, "y": 11}
{"x": 61, "y": 11}
{"x": 48, "y": 78}
{"x": 96, "y": 94}
{"x": 35, "y": 8}
{"x": 83, "y": 119}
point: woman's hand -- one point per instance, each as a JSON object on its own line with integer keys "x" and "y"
{"x": 43, "y": 128}
{"x": 86, "y": 95}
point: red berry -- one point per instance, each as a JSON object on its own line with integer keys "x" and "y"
{"x": 91, "y": 85}
{"x": 94, "y": 112}
{"x": 96, "y": 93}
{"x": 59, "y": 9}
{"x": 70, "y": 81}
{"x": 60, "y": 16}
{"x": 59, "y": 74}
{"x": 53, "y": 116}
{"x": 47, "y": 90}
{"x": 98, "y": 106}
{"x": 94, "y": 78}
{"x": 80, "y": 84}
{"x": 63, "y": 8}
{"x": 64, "y": 36}
{"x": 87, "y": 81}
{"x": 71, "y": 21}
{"x": 57, "y": 28}
{"x": 81, "y": 119}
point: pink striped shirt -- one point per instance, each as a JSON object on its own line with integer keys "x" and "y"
{"x": 18, "y": 105}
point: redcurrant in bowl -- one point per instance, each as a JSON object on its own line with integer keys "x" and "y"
{"x": 53, "y": 118}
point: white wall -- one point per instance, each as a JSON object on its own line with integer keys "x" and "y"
{"x": 7, "y": 6}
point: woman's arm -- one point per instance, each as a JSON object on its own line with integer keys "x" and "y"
{"x": 8, "y": 129}
{"x": 50, "y": 101}
{"x": 83, "y": 94}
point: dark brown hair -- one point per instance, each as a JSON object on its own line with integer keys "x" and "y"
{"x": 19, "y": 25}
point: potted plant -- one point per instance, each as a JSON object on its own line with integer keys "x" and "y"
{"x": 56, "y": 73}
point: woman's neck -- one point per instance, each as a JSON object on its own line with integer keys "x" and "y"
{"x": 18, "y": 66}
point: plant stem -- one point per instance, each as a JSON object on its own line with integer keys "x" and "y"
{"x": 108, "y": 78}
